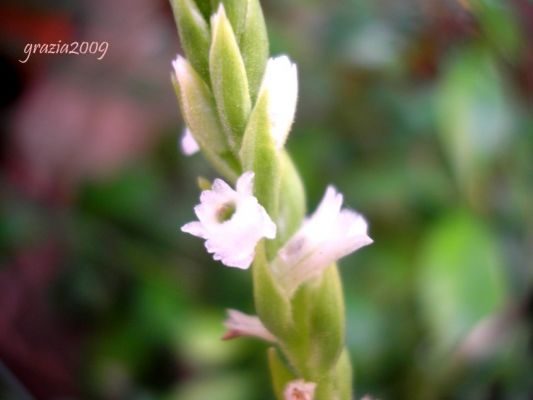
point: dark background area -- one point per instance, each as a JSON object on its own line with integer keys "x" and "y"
{"x": 418, "y": 111}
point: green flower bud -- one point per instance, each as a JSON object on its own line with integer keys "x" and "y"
{"x": 343, "y": 376}
{"x": 253, "y": 42}
{"x": 236, "y": 12}
{"x": 271, "y": 304}
{"x": 292, "y": 200}
{"x": 199, "y": 111}
{"x": 327, "y": 320}
{"x": 194, "y": 35}
{"x": 228, "y": 78}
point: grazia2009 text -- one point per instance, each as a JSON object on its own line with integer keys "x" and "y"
{"x": 73, "y": 48}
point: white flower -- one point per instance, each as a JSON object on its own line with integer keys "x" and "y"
{"x": 231, "y": 222}
{"x": 188, "y": 143}
{"x": 280, "y": 84}
{"x": 239, "y": 324}
{"x": 329, "y": 234}
{"x": 299, "y": 390}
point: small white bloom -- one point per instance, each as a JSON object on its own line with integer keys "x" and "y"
{"x": 280, "y": 84}
{"x": 231, "y": 222}
{"x": 328, "y": 235}
{"x": 299, "y": 390}
{"x": 188, "y": 143}
{"x": 239, "y": 324}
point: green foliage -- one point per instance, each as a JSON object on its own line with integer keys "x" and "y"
{"x": 475, "y": 115}
{"x": 461, "y": 278}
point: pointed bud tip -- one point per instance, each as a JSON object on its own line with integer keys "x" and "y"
{"x": 218, "y": 15}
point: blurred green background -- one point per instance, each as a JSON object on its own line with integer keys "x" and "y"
{"x": 419, "y": 111}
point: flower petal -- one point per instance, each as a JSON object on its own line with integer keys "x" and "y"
{"x": 239, "y": 324}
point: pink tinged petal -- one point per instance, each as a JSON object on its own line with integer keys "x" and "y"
{"x": 239, "y": 324}
{"x": 188, "y": 143}
{"x": 328, "y": 235}
{"x": 232, "y": 240}
{"x": 299, "y": 390}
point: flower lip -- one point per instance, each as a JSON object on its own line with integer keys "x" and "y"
{"x": 232, "y": 222}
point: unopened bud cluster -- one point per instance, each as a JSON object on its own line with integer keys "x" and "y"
{"x": 238, "y": 106}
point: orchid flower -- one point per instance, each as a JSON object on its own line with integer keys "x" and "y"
{"x": 231, "y": 221}
{"x": 328, "y": 235}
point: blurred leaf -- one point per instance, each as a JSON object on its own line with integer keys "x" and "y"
{"x": 475, "y": 115}
{"x": 461, "y": 278}
{"x": 199, "y": 339}
{"x": 499, "y": 26}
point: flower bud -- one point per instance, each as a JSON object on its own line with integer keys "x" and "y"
{"x": 228, "y": 78}
{"x": 280, "y": 86}
{"x": 253, "y": 42}
{"x": 199, "y": 111}
{"x": 194, "y": 35}
{"x": 258, "y": 153}
{"x": 239, "y": 324}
